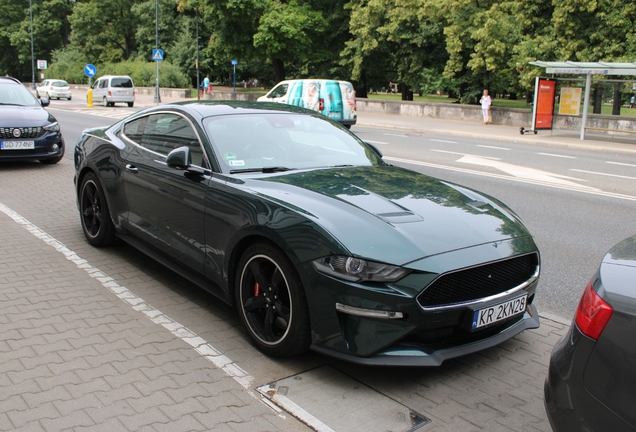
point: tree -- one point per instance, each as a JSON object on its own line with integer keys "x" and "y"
{"x": 105, "y": 30}
{"x": 285, "y": 33}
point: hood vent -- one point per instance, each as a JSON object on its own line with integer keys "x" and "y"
{"x": 400, "y": 217}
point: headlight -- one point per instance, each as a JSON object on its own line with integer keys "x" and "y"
{"x": 53, "y": 127}
{"x": 358, "y": 270}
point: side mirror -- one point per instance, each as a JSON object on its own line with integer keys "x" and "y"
{"x": 374, "y": 148}
{"x": 179, "y": 158}
{"x": 44, "y": 102}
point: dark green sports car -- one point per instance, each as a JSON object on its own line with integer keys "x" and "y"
{"x": 317, "y": 241}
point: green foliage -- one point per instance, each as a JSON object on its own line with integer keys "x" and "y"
{"x": 458, "y": 47}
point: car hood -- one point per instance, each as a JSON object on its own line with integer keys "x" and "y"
{"x": 16, "y": 116}
{"x": 391, "y": 214}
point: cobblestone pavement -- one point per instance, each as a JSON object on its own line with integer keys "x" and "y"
{"x": 105, "y": 339}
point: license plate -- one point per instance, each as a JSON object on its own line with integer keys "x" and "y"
{"x": 502, "y": 311}
{"x": 17, "y": 145}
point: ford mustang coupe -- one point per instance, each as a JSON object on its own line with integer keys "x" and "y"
{"x": 318, "y": 242}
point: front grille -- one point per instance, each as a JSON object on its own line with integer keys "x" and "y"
{"x": 25, "y": 132}
{"x": 479, "y": 282}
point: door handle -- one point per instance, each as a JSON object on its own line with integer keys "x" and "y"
{"x": 131, "y": 168}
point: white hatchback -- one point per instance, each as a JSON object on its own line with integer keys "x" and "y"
{"x": 53, "y": 88}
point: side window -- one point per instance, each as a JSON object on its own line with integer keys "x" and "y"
{"x": 135, "y": 129}
{"x": 102, "y": 83}
{"x": 279, "y": 91}
{"x": 166, "y": 132}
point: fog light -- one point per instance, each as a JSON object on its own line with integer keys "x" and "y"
{"x": 55, "y": 147}
{"x": 371, "y": 313}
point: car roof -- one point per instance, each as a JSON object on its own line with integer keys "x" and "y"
{"x": 8, "y": 80}
{"x": 215, "y": 108}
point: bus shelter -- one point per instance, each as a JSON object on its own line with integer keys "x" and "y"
{"x": 580, "y": 68}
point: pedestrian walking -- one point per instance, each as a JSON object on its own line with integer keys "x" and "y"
{"x": 207, "y": 85}
{"x": 485, "y": 102}
{"x": 632, "y": 101}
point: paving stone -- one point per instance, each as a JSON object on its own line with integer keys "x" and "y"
{"x": 67, "y": 422}
{"x": 149, "y": 417}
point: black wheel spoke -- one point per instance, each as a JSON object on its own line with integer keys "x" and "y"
{"x": 283, "y": 311}
{"x": 268, "y": 325}
{"x": 277, "y": 280}
{"x": 255, "y": 268}
{"x": 254, "y": 303}
{"x": 88, "y": 212}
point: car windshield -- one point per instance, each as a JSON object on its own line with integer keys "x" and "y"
{"x": 16, "y": 94}
{"x": 59, "y": 84}
{"x": 279, "y": 142}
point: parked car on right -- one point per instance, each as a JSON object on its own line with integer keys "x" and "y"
{"x": 109, "y": 90}
{"x": 591, "y": 383}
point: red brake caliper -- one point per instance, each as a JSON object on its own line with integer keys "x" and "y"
{"x": 257, "y": 289}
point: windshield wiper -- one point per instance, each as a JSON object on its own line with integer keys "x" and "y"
{"x": 263, "y": 170}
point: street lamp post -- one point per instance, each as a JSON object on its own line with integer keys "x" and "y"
{"x": 157, "y": 95}
{"x": 32, "y": 55}
{"x": 197, "y": 65}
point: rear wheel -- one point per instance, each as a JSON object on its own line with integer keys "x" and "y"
{"x": 271, "y": 301}
{"x": 131, "y": 104}
{"x": 94, "y": 214}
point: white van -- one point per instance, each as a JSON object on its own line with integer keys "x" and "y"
{"x": 110, "y": 89}
{"x": 335, "y": 99}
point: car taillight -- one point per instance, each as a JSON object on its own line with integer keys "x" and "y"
{"x": 593, "y": 313}
{"x": 110, "y": 93}
{"x": 321, "y": 104}
{"x": 51, "y": 88}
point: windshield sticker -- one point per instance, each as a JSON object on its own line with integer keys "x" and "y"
{"x": 237, "y": 163}
{"x": 229, "y": 156}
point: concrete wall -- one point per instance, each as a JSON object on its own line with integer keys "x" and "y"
{"x": 247, "y": 96}
{"x": 167, "y": 92}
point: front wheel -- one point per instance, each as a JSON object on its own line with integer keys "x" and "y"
{"x": 105, "y": 102}
{"x": 94, "y": 214}
{"x": 271, "y": 301}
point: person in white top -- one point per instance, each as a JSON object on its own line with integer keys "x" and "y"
{"x": 485, "y": 107}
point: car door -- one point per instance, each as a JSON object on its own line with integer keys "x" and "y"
{"x": 166, "y": 206}
{"x": 98, "y": 90}
{"x": 41, "y": 89}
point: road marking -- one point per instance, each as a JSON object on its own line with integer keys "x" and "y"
{"x": 443, "y": 141}
{"x": 462, "y": 154}
{"x": 199, "y": 344}
{"x": 493, "y": 147}
{"x": 115, "y": 114}
{"x": 583, "y": 189}
{"x": 604, "y": 174}
{"x": 398, "y": 135}
{"x": 622, "y": 164}
{"x": 377, "y": 142}
{"x": 557, "y": 155}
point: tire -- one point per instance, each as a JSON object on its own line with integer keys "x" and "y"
{"x": 37, "y": 94}
{"x": 271, "y": 301}
{"x": 69, "y": 98}
{"x": 131, "y": 104}
{"x": 48, "y": 96}
{"x": 94, "y": 214}
{"x": 105, "y": 102}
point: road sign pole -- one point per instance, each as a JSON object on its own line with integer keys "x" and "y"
{"x": 157, "y": 94}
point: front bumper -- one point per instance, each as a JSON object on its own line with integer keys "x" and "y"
{"x": 409, "y": 354}
{"x": 411, "y": 333}
{"x": 44, "y": 149}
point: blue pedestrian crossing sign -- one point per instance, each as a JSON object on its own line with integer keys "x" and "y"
{"x": 90, "y": 70}
{"x": 157, "y": 54}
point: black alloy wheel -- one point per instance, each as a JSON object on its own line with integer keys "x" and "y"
{"x": 96, "y": 223}
{"x": 271, "y": 301}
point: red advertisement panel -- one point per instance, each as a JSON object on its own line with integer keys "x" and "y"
{"x": 545, "y": 104}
